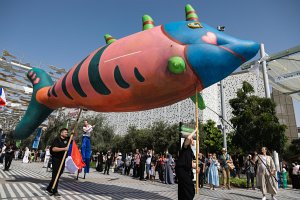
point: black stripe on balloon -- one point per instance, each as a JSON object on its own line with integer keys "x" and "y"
{"x": 94, "y": 74}
{"x": 138, "y": 75}
{"x": 119, "y": 79}
{"x": 48, "y": 93}
{"x": 75, "y": 80}
{"x": 64, "y": 87}
{"x": 53, "y": 90}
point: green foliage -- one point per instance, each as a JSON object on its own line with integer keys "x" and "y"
{"x": 160, "y": 137}
{"x": 293, "y": 149}
{"x": 238, "y": 182}
{"x": 256, "y": 122}
{"x": 213, "y": 138}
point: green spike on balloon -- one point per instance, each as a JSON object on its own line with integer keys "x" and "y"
{"x": 147, "y": 22}
{"x": 190, "y": 13}
{"x": 109, "y": 39}
{"x": 201, "y": 103}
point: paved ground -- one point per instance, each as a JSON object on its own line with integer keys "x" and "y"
{"x": 27, "y": 181}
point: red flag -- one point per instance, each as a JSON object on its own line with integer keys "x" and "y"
{"x": 74, "y": 160}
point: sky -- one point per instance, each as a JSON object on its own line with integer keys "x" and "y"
{"x": 61, "y": 33}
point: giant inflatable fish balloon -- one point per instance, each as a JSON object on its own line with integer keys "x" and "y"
{"x": 156, "y": 67}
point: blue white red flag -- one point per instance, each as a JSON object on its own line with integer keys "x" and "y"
{"x": 2, "y": 98}
{"x": 74, "y": 160}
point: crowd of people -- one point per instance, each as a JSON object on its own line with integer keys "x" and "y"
{"x": 142, "y": 165}
{"x": 213, "y": 170}
{"x": 8, "y": 153}
{"x": 145, "y": 165}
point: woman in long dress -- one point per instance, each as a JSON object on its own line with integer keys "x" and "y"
{"x": 266, "y": 172}
{"x": 26, "y": 155}
{"x": 169, "y": 163}
{"x": 213, "y": 174}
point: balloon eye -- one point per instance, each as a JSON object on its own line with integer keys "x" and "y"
{"x": 195, "y": 25}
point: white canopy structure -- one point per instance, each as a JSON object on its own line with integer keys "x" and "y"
{"x": 283, "y": 70}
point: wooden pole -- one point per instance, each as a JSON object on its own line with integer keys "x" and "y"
{"x": 65, "y": 153}
{"x": 197, "y": 143}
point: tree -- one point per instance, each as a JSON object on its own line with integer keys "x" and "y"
{"x": 213, "y": 138}
{"x": 159, "y": 137}
{"x": 293, "y": 149}
{"x": 255, "y": 122}
{"x": 165, "y": 137}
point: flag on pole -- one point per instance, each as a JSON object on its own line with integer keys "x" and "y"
{"x": 201, "y": 103}
{"x": 74, "y": 160}
{"x": 37, "y": 138}
{"x": 2, "y": 98}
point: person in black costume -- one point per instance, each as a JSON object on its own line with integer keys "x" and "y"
{"x": 57, "y": 150}
{"x": 184, "y": 173}
{"x": 108, "y": 162}
{"x": 9, "y": 154}
{"x": 99, "y": 167}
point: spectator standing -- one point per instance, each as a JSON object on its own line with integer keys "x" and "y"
{"x": 201, "y": 159}
{"x": 137, "y": 160}
{"x": 128, "y": 163}
{"x": 47, "y": 157}
{"x": 213, "y": 172}
{"x": 2, "y": 154}
{"x": 295, "y": 176}
{"x": 143, "y": 163}
{"x": 9, "y": 154}
{"x": 26, "y": 157}
{"x": 169, "y": 170}
{"x": 225, "y": 160}
{"x": 148, "y": 163}
{"x": 99, "y": 167}
{"x": 161, "y": 167}
{"x": 250, "y": 171}
{"x": 108, "y": 162}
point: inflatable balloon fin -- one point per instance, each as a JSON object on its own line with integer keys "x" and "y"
{"x": 148, "y": 22}
{"x": 190, "y": 13}
{"x": 36, "y": 112}
{"x": 109, "y": 39}
{"x": 201, "y": 103}
{"x": 176, "y": 65}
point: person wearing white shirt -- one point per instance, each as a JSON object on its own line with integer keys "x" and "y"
{"x": 148, "y": 163}
{"x": 26, "y": 155}
{"x": 295, "y": 175}
{"x": 86, "y": 146}
{"x": 47, "y": 157}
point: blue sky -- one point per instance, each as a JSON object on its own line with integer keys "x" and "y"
{"x": 61, "y": 33}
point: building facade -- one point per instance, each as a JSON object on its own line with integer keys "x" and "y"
{"x": 285, "y": 113}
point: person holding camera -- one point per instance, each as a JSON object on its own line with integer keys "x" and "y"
{"x": 250, "y": 171}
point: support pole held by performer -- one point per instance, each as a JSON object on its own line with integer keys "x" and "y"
{"x": 197, "y": 143}
{"x": 64, "y": 156}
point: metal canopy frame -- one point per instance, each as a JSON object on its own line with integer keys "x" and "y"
{"x": 283, "y": 75}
